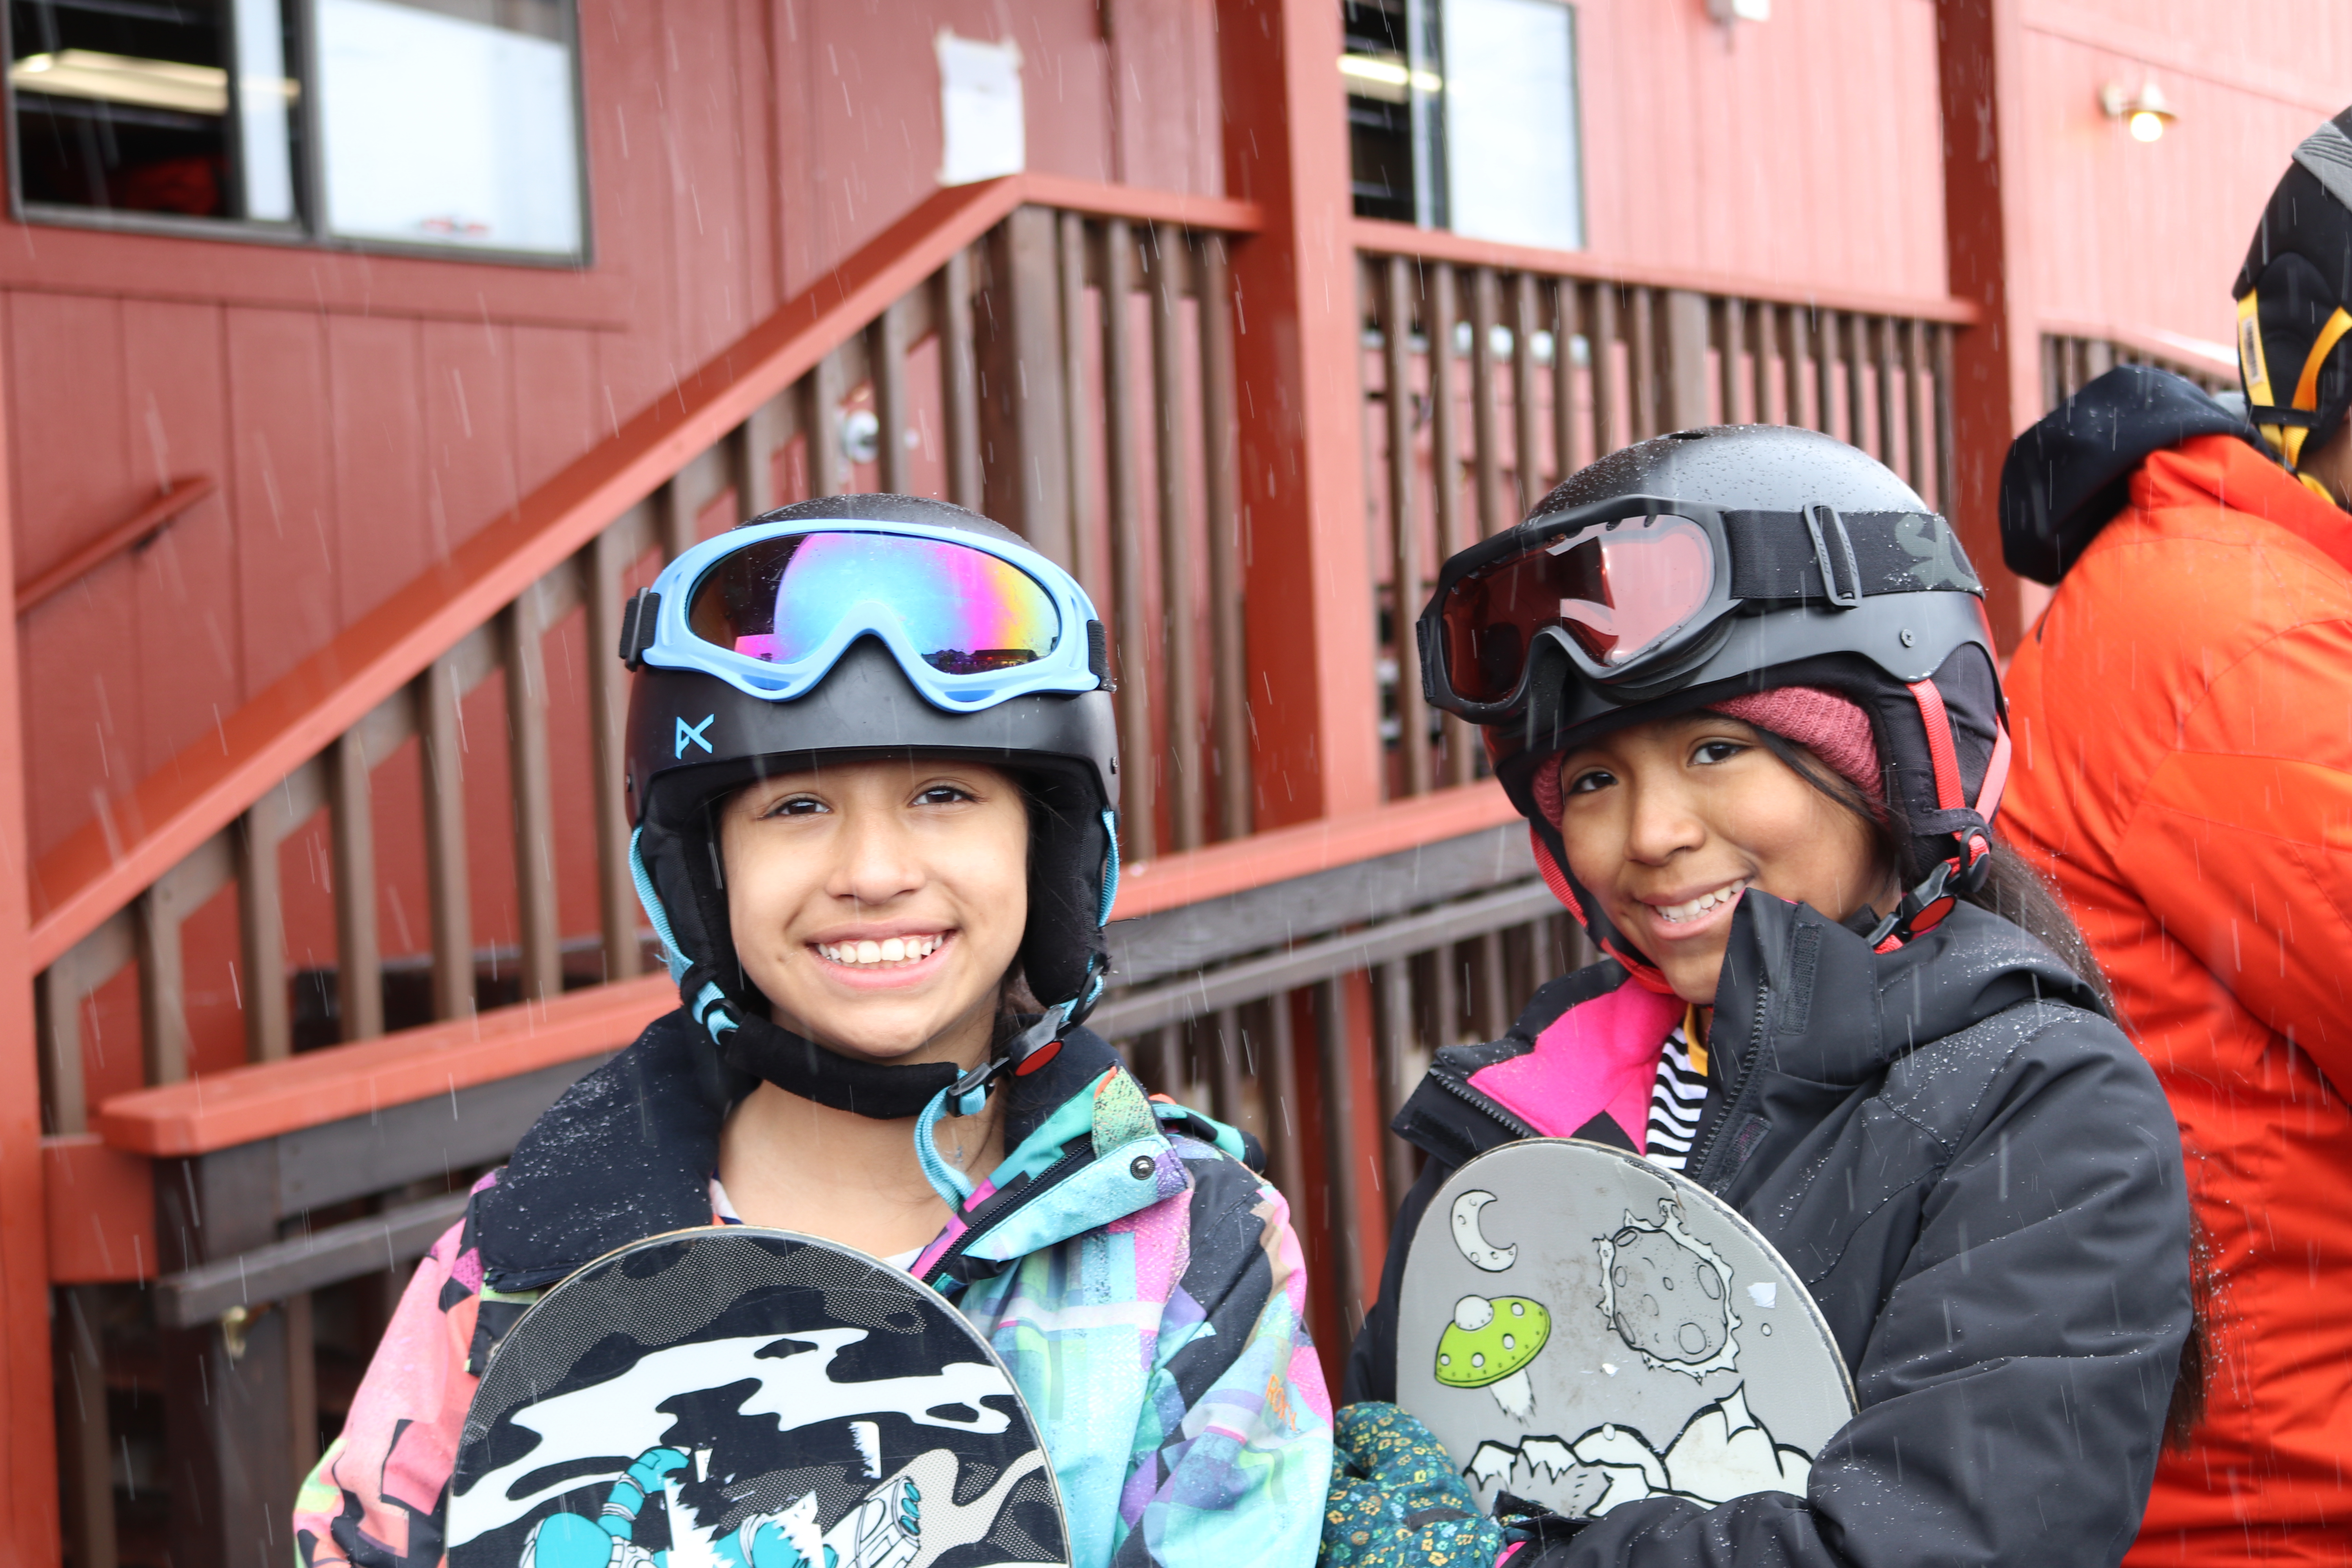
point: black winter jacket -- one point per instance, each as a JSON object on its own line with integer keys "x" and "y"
{"x": 1978, "y": 1179}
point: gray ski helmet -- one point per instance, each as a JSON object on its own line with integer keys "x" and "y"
{"x": 693, "y": 739}
{"x": 1838, "y": 575}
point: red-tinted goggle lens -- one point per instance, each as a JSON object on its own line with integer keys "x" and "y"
{"x": 1617, "y": 589}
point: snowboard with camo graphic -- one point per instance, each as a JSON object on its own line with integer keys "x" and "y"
{"x": 744, "y": 1398}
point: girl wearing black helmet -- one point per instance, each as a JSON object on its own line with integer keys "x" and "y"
{"x": 872, "y": 767}
{"x": 1740, "y": 682}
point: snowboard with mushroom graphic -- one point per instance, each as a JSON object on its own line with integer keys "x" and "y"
{"x": 1628, "y": 1307}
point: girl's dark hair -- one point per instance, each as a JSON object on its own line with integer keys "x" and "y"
{"x": 2021, "y": 895}
{"x": 2012, "y": 888}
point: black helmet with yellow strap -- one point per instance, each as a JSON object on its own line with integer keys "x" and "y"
{"x": 2295, "y": 331}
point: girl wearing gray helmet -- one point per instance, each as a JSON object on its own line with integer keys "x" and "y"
{"x": 874, "y": 785}
{"x": 1740, "y": 682}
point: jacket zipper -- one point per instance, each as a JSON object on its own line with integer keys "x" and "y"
{"x": 1738, "y": 1088}
{"x": 1053, "y": 1175}
{"x": 1479, "y": 1103}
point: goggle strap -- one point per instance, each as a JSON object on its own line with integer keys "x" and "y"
{"x": 1873, "y": 551}
{"x": 639, "y": 617}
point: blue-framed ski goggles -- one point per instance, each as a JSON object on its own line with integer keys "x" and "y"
{"x": 770, "y": 607}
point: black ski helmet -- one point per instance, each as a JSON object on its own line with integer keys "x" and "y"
{"x": 2295, "y": 331}
{"x": 696, "y": 733}
{"x": 1826, "y": 570}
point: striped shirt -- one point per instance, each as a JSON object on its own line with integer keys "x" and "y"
{"x": 1677, "y": 1097}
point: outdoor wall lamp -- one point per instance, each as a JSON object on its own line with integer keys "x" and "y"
{"x": 2145, "y": 116}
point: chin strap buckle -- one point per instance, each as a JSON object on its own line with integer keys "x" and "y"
{"x": 1032, "y": 1049}
{"x": 1925, "y": 906}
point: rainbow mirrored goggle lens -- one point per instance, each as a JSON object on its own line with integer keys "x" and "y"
{"x": 962, "y": 611}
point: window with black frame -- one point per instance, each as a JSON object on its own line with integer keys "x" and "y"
{"x": 450, "y": 124}
{"x": 1462, "y": 114}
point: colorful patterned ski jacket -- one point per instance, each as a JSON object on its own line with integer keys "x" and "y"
{"x": 1140, "y": 1281}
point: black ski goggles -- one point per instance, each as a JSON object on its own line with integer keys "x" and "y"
{"x": 1626, "y": 587}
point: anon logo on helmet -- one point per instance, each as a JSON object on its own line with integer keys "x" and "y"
{"x": 695, "y": 734}
{"x": 1936, "y": 559}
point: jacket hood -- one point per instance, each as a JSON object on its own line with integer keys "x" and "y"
{"x": 1801, "y": 994}
{"x": 628, "y": 1152}
{"x": 2068, "y": 476}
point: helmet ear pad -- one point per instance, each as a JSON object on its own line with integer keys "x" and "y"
{"x": 1070, "y": 857}
{"x": 1974, "y": 709}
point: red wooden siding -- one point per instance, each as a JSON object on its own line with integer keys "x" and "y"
{"x": 2135, "y": 236}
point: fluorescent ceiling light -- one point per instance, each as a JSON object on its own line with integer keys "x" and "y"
{"x": 1387, "y": 77}
{"x": 124, "y": 79}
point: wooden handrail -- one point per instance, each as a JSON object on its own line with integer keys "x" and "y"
{"x": 1386, "y": 238}
{"x": 133, "y": 533}
{"x": 2215, "y": 359}
{"x": 108, "y": 862}
{"x": 243, "y": 1104}
{"x": 1260, "y": 860}
{"x": 220, "y": 1110}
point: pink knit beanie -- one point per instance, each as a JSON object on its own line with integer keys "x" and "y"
{"x": 1831, "y": 727}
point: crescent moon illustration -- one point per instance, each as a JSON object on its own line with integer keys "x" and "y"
{"x": 1473, "y": 1245}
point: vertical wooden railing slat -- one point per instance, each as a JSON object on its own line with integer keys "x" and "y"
{"x": 608, "y": 559}
{"x": 1441, "y": 313}
{"x": 1562, "y": 295}
{"x": 261, "y": 907}
{"x": 1228, "y": 673}
{"x": 84, "y": 1451}
{"x": 820, "y": 393}
{"x": 960, "y": 378}
{"x": 1139, "y": 792}
{"x": 1228, "y": 1071}
{"x": 886, "y": 353}
{"x": 1788, "y": 325}
{"x": 1732, "y": 338}
{"x": 1070, "y": 277}
{"x": 750, "y": 470}
{"x": 359, "y": 947}
{"x": 1188, "y": 795}
{"x": 1853, "y": 349}
{"x": 1278, "y": 1082}
{"x": 530, "y": 785}
{"x": 674, "y": 519}
{"x": 1645, "y": 389}
{"x": 1485, "y": 416}
{"x": 1527, "y": 415}
{"x": 1395, "y": 310}
{"x": 1762, "y": 340}
{"x": 1602, "y": 333}
{"x": 163, "y": 985}
{"x": 1393, "y": 987}
{"x": 56, "y": 996}
{"x": 440, "y": 728}
{"x": 1887, "y": 392}
{"x": 1342, "y": 1168}
{"x": 1940, "y": 336}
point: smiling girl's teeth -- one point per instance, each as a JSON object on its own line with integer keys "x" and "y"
{"x": 1674, "y": 914}
{"x": 889, "y": 950}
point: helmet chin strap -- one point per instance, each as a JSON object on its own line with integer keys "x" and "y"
{"x": 1035, "y": 1045}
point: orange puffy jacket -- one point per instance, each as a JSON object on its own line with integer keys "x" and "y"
{"x": 2183, "y": 722}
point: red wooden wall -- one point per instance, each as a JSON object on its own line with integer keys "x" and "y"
{"x": 363, "y": 414}
{"x": 2137, "y": 236}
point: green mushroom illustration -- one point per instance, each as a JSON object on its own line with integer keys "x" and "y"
{"x": 1489, "y": 1344}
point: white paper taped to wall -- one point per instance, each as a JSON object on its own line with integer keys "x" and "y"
{"x": 980, "y": 110}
